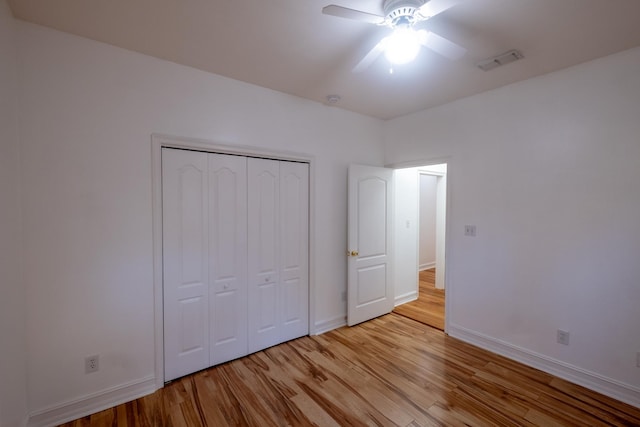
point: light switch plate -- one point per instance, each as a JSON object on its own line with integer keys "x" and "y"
{"x": 563, "y": 337}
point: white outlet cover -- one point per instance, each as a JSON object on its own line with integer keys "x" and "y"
{"x": 91, "y": 364}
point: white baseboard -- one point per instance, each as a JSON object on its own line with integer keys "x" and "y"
{"x": 403, "y": 299}
{"x": 330, "y": 324}
{"x": 427, "y": 266}
{"x": 90, "y": 404}
{"x": 591, "y": 380}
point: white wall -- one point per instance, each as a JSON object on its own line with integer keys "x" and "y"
{"x": 12, "y": 293}
{"x": 89, "y": 110}
{"x": 427, "y": 241}
{"x": 548, "y": 171}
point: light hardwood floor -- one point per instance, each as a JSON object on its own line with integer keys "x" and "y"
{"x": 429, "y": 307}
{"x": 391, "y": 371}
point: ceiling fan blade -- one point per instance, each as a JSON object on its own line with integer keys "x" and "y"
{"x": 357, "y": 15}
{"x": 434, "y": 7}
{"x": 370, "y": 57}
{"x": 440, "y": 45}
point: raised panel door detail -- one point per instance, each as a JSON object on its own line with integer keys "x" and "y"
{"x": 375, "y": 289}
{"x": 225, "y": 219}
{"x": 292, "y": 217}
{"x": 267, "y": 222}
{"x": 293, "y": 310}
{"x": 185, "y": 262}
{"x": 192, "y": 218}
{"x": 267, "y": 295}
{"x": 192, "y": 324}
{"x": 226, "y": 325}
{"x": 228, "y": 256}
{"x": 372, "y": 202}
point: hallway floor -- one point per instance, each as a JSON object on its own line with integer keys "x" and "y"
{"x": 429, "y": 307}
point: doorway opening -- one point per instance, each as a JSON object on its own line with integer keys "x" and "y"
{"x": 420, "y": 243}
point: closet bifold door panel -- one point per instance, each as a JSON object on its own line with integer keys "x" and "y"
{"x": 227, "y": 257}
{"x": 204, "y": 200}
{"x": 294, "y": 250}
{"x": 264, "y": 256}
{"x": 185, "y": 231}
{"x": 278, "y": 252}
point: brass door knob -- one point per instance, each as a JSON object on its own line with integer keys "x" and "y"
{"x": 352, "y": 253}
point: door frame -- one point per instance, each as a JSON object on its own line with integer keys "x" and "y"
{"x": 448, "y": 283}
{"x": 160, "y": 141}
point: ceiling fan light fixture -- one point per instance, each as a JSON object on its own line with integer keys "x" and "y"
{"x": 402, "y": 46}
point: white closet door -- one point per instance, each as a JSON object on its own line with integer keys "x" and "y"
{"x": 185, "y": 262}
{"x": 228, "y": 257}
{"x": 263, "y": 203}
{"x": 294, "y": 250}
{"x": 235, "y": 256}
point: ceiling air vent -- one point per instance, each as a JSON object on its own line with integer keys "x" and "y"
{"x": 496, "y": 61}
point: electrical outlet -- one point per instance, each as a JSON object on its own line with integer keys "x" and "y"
{"x": 91, "y": 364}
{"x": 563, "y": 337}
{"x": 470, "y": 230}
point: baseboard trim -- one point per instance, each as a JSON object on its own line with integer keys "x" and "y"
{"x": 426, "y": 266}
{"x": 609, "y": 387}
{"x": 330, "y": 324}
{"x": 403, "y": 299}
{"x": 90, "y": 404}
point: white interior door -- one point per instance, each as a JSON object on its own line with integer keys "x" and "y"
{"x": 370, "y": 287}
{"x": 227, "y": 257}
{"x": 185, "y": 228}
{"x": 264, "y": 252}
{"x": 294, "y": 250}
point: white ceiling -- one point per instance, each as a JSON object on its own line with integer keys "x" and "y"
{"x": 290, "y": 46}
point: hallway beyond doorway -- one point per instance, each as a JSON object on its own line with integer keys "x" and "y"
{"x": 429, "y": 307}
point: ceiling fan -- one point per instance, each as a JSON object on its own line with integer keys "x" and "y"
{"x": 406, "y": 18}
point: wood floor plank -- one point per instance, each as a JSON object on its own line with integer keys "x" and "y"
{"x": 429, "y": 307}
{"x": 390, "y": 371}
{"x": 395, "y": 410}
{"x": 592, "y": 402}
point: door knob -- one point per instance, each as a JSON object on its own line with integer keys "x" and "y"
{"x": 352, "y": 253}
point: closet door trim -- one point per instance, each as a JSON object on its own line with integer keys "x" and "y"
{"x": 158, "y": 142}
